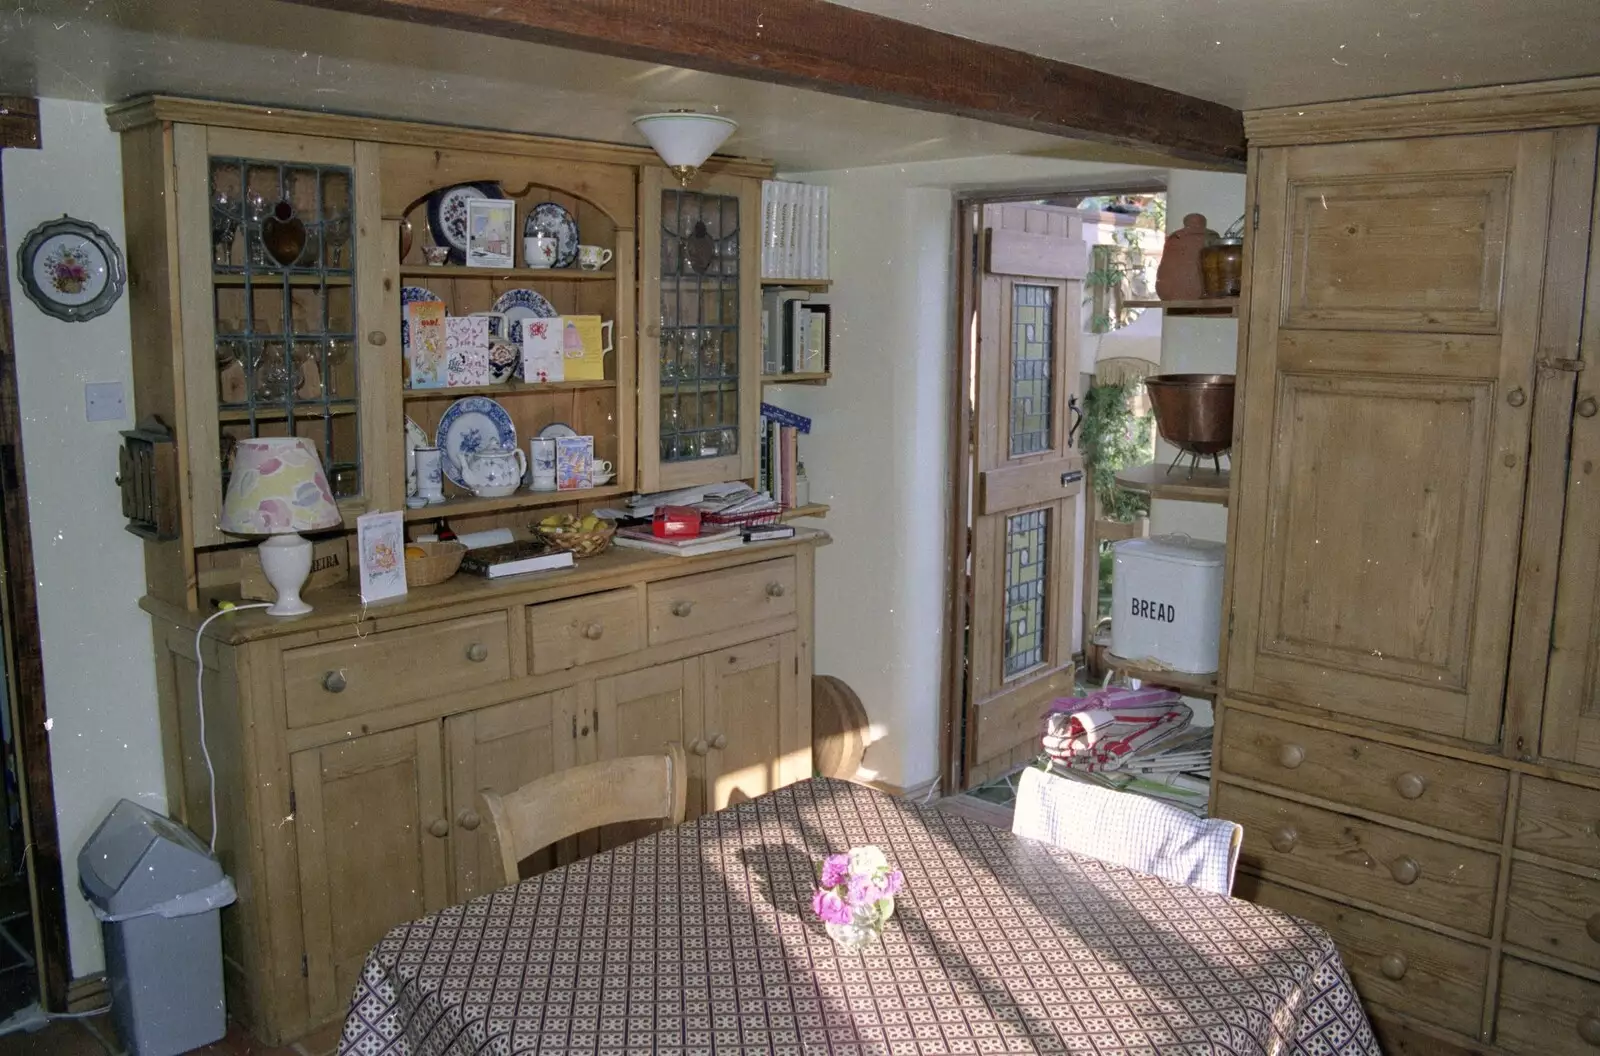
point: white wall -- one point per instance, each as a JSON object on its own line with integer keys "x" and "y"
{"x": 99, "y": 676}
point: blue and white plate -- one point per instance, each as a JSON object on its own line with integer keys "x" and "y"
{"x": 408, "y": 294}
{"x": 518, "y": 305}
{"x": 447, "y": 215}
{"x": 471, "y": 424}
{"x": 553, "y": 221}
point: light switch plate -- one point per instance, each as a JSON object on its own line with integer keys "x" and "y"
{"x": 103, "y": 401}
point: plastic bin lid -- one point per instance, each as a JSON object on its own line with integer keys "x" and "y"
{"x": 137, "y": 859}
{"x": 1175, "y": 549}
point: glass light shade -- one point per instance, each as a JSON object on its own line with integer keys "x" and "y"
{"x": 685, "y": 139}
{"x": 277, "y": 487}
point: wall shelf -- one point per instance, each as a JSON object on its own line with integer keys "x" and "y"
{"x": 461, "y": 271}
{"x": 812, "y": 509}
{"x": 1178, "y": 482}
{"x": 799, "y": 284}
{"x": 504, "y": 388}
{"x": 1182, "y": 681}
{"x": 815, "y": 378}
{"x": 1217, "y": 306}
{"x": 470, "y": 504}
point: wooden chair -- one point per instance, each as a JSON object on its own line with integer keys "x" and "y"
{"x": 638, "y": 788}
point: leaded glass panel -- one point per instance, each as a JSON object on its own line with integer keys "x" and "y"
{"x": 699, "y": 349}
{"x": 1027, "y": 543}
{"x": 1033, "y": 312}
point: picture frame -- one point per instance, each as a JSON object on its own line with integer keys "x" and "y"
{"x": 71, "y": 269}
{"x": 381, "y": 553}
{"x": 491, "y": 223}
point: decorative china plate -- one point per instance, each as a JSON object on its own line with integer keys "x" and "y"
{"x": 553, "y": 221}
{"x": 556, "y": 429}
{"x": 71, "y": 269}
{"x": 521, "y": 304}
{"x": 471, "y": 424}
{"x": 447, "y": 215}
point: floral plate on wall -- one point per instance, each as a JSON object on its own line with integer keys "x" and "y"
{"x": 471, "y": 424}
{"x": 71, "y": 269}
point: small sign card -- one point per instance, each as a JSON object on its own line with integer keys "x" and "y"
{"x": 542, "y": 358}
{"x": 466, "y": 350}
{"x": 381, "y": 542}
{"x": 425, "y": 349}
{"x": 490, "y": 222}
{"x": 574, "y": 462}
{"x": 585, "y": 340}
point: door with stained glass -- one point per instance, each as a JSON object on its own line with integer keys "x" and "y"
{"x": 1026, "y": 478}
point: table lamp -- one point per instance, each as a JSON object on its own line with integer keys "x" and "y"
{"x": 278, "y": 490}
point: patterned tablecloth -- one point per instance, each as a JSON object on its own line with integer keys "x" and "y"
{"x": 701, "y": 939}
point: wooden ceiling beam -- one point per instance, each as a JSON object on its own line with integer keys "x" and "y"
{"x": 19, "y": 122}
{"x": 824, "y": 47}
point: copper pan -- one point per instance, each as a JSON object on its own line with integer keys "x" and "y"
{"x": 1194, "y": 412}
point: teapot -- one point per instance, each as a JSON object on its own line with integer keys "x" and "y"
{"x": 493, "y": 472}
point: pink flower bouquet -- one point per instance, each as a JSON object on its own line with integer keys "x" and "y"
{"x": 855, "y": 896}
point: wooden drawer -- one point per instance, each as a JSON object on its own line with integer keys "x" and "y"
{"x": 1553, "y": 912}
{"x": 345, "y": 678}
{"x": 1547, "y": 1012}
{"x": 715, "y": 601}
{"x": 1447, "y": 793}
{"x": 1425, "y": 877}
{"x": 583, "y": 630}
{"x": 1562, "y": 821}
{"x": 1433, "y": 977}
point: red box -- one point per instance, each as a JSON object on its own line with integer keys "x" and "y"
{"x": 675, "y": 522}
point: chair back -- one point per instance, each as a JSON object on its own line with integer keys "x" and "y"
{"x": 551, "y": 808}
{"x": 1128, "y": 830}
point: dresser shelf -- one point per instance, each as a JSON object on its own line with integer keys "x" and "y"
{"x": 461, "y": 271}
{"x": 503, "y": 388}
{"x": 1157, "y": 481}
{"x": 470, "y": 504}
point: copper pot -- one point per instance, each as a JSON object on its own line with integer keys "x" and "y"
{"x": 1194, "y": 412}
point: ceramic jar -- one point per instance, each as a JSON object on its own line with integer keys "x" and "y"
{"x": 1222, "y": 267}
{"x": 1179, "y": 278}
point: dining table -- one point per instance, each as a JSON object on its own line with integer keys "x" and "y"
{"x": 701, "y": 939}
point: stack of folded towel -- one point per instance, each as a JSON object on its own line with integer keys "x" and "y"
{"x": 1106, "y": 729}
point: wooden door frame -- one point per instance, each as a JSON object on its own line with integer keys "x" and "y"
{"x": 19, "y": 128}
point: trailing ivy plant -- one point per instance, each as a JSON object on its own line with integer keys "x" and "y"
{"x": 1115, "y": 438}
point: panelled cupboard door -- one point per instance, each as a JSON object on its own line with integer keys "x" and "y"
{"x": 641, "y": 713}
{"x": 370, "y": 831}
{"x": 752, "y": 739}
{"x": 1387, "y": 402}
{"x": 503, "y": 748}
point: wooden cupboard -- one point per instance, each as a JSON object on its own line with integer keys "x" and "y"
{"x": 1409, "y": 722}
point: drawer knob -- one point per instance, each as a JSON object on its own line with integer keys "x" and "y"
{"x": 1393, "y": 966}
{"x": 1284, "y": 839}
{"x": 468, "y": 819}
{"x": 682, "y": 608}
{"x": 776, "y": 590}
{"x": 334, "y": 682}
{"x": 477, "y": 652}
{"x": 593, "y": 632}
{"x": 440, "y": 828}
{"x": 1516, "y": 397}
{"x": 1587, "y": 407}
{"x": 1290, "y": 756}
{"x": 1405, "y": 870}
{"x": 699, "y": 747}
{"x": 1589, "y": 1028}
{"x": 720, "y": 741}
{"x": 377, "y": 338}
{"x": 1593, "y": 927}
{"x": 1411, "y": 786}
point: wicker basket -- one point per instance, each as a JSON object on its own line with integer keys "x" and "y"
{"x": 582, "y": 544}
{"x": 442, "y": 562}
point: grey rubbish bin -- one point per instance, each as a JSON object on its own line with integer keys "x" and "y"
{"x": 158, "y": 893}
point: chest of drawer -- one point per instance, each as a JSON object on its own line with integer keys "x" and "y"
{"x": 1553, "y": 912}
{"x": 1414, "y": 874}
{"x": 717, "y": 601}
{"x": 1562, "y": 821}
{"x": 1546, "y": 1011}
{"x": 341, "y": 679}
{"x": 584, "y": 630}
{"x": 1400, "y": 966}
{"x": 1448, "y": 793}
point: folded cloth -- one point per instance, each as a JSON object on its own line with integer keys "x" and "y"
{"x": 1128, "y": 830}
{"x": 1103, "y": 730}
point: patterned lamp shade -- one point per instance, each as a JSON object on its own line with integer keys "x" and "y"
{"x": 277, "y": 487}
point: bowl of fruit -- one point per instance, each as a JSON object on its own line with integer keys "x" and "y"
{"x": 432, "y": 562}
{"x": 585, "y": 536}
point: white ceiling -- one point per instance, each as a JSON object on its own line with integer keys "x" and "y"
{"x": 270, "y": 52}
{"x": 1260, "y": 53}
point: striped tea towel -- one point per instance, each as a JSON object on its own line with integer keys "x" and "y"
{"x": 1103, "y": 730}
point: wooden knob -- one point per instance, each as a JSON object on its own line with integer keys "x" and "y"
{"x": 593, "y": 632}
{"x": 720, "y": 741}
{"x": 1593, "y": 927}
{"x": 1516, "y": 397}
{"x": 1410, "y": 786}
{"x": 1284, "y": 839}
{"x": 439, "y": 828}
{"x": 334, "y": 682}
{"x": 1587, "y": 407}
{"x": 775, "y": 590}
{"x": 477, "y": 652}
{"x": 682, "y": 608}
{"x": 377, "y": 337}
{"x": 1291, "y": 756}
{"x": 1589, "y": 1029}
{"x": 1393, "y": 966}
{"x": 1405, "y": 870}
{"x": 699, "y": 748}
{"x": 468, "y": 819}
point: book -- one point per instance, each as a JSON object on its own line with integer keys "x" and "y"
{"x": 708, "y": 533}
{"x": 694, "y": 547}
{"x": 777, "y": 414}
{"x": 761, "y": 533}
{"x": 515, "y": 559}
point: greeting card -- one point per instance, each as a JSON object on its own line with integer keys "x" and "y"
{"x": 542, "y": 356}
{"x": 425, "y": 345}
{"x": 574, "y": 462}
{"x": 489, "y": 232}
{"x": 467, "y": 350}
{"x": 585, "y": 340}
{"x": 381, "y": 542}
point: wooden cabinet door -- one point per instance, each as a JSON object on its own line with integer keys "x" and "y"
{"x": 753, "y": 734}
{"x": 502, "y": 748}
{"x": 1383, "y": 440}
{"x": 640, "y": 713}
{"x": 370, "y": 830}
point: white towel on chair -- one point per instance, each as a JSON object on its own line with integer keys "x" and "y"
{"x": 1128, "y": 830}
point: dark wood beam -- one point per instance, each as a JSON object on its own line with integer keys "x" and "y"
{"x": 19, "y": 122}
{"x": 822, "y": 46}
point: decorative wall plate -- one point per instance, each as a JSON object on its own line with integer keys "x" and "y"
{"x": 468, "y": 425}
{"x": 71, "y": 269}
{"x": 519, "y": 304}
{"x": 447, "y": 215}
{"x": 552, "y": 220}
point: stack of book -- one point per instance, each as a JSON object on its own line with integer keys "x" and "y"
{"x": 780, "y": 452}
{"x": 794, "y": 230}
{"x": 795, "y": 332}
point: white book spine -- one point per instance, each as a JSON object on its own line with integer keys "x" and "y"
{"x": 780, "y": 259}
{"x": 821, "y": 255}
{"x": 766, "y": 227}
{"x": 804, "y": 265}
{"x": 792, "y": 232}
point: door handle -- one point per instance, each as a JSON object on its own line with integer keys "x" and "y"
{"x": 1076, "y": 410}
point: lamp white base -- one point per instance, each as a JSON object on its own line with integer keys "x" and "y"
{"x": 286, "y": 561}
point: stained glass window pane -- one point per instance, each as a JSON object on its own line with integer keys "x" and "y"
{"x": 699, "y": 349}
{"x": 1033, "y": 312}
{"x": 1027, "y": 536}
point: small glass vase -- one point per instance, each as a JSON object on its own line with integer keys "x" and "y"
{"x": 865, "y": 927}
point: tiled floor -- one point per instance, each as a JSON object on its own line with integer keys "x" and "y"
{"x": 83, "y": 1038}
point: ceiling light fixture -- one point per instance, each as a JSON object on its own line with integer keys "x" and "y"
{"x": 685, "y": 139}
